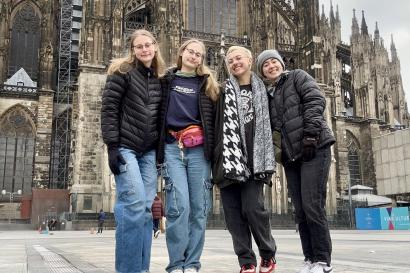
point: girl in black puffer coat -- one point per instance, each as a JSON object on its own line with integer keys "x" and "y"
{"x": 300, "y": 131}
{"x": 129, "y": 117}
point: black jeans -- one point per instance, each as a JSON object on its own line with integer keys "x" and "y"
{"x": 307, "y": 186}
{"x": 245, "y": 214}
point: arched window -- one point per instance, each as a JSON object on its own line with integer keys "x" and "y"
{"x": 16, "y": 150}
{"x": 353, "y": 159}
{"x": 25, "y": 42}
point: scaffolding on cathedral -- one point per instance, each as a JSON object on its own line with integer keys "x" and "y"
{"x": 70, "y": 16}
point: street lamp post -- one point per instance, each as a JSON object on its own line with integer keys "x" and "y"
{"x": 4, "y": 192}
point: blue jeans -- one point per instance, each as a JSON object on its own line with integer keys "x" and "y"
{"x": 188, "y": 200}
{"x": 136, "y": 187}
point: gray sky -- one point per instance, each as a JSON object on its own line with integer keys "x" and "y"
{"x": 392, "y": 17}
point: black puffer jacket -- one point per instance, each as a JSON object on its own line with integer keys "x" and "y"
{"x": 296, "y": 109}
{"x": 130, "y": 109}
{"x": 206, "y": 110}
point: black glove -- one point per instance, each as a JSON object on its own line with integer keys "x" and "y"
{"x": 115, "y": 159}
{"x": 309, "y": 148}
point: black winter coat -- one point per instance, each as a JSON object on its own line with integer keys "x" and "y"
{"x": 206, "y": 110}
{"x": 296, "y": 109}
{"x": 130, "y": 109}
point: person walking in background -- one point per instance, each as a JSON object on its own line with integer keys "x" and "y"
{"x": 157, "y": 214}
{"x": 185, "y": 151}
{"x": 129, "y": 122}
{"x": 296, "y": 109}
{"x": 101, "y": 219}
{"x": 244, "y": 161}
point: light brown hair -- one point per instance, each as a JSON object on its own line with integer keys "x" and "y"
{"x": 125, "y": 64}
{"x": 212, "y": 86}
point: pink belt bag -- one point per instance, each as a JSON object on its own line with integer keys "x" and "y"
{"x": 189, "y": 137}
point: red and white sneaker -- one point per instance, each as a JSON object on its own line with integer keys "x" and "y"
{"x": 248, "y": 268}
{"x": 267, "y": 266}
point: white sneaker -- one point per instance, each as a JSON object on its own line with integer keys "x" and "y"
{"x": 190, "y": 270}
{"x": 177, "y": 271}
{"x": 307, "y": 265}
{"x": 321, "y": 267}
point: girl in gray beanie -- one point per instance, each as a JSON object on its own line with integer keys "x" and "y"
{"x": 296, "y": 107}
{"x": 268, "y": 54}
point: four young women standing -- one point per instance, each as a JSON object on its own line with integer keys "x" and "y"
{"x": 190, "y": 124}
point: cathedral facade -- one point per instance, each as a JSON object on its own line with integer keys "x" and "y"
{"x": 54, "y": 57}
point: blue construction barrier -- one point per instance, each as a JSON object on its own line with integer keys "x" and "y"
{"x": 383, "y": 218}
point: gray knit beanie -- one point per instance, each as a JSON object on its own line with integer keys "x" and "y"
{"x": 266, "y": 55}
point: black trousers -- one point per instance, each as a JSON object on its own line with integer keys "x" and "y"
{"x": 155, "y": 224}
{"x": 307, "y": 186}
{"x": 245, "y": 214}
{"x": 100, "y": 226}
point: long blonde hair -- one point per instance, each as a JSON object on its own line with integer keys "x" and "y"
{"x": 125, "y": 64}
{"x": 212, "y": 86}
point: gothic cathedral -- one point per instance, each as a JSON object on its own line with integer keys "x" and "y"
{"x": 53, "y": 62}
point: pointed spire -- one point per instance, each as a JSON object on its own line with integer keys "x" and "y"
{"x": 355, "y": 25}
{"x": 337, "y": 13}
{"x": 392, "y": 45}
{"x": 376, "y": 33}
{"x": 393, "y": 51}
{"x": 364, "y": 25}
{"x": 332, "y": 14}
{"x": 323, "y": 16}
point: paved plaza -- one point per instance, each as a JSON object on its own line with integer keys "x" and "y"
{"x": 81, "y": 251}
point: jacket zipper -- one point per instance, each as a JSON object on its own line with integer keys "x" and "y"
{"x": 288, "y": 146}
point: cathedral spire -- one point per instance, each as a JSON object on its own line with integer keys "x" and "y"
{"x": 323, "y": 16}
{"x": 393, "y": 50}
{"x": 337, "y": 13}
{"x": 332, "y": 14}
{"x": 355, "y": 25}
{"x": 364, "y": 25}
{"x": 376, "y": 33}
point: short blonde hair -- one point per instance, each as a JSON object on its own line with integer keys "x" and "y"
{"x": 244, "y": 50}
{"x": 247, "y": 52}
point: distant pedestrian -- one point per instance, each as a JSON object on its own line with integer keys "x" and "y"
{"x": 157, "y": 214}
{"x": 101, "y": 219}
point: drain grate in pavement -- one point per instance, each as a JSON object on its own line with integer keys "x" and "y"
{"x": 55, "y": 262}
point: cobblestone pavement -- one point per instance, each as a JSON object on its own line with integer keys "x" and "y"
{"x": 81, "y": 251}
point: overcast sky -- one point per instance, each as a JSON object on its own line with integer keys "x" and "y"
{"x": 393, "y": 17}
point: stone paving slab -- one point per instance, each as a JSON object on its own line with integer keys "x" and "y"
{"x": 80, "y": 251}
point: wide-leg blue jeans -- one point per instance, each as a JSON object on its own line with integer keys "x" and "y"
{"x": 188, "y": 200}
{"x": 136, "y": 187}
